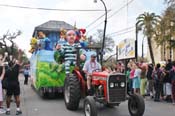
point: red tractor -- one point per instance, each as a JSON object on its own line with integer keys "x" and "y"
{"x": 109, "y": 89}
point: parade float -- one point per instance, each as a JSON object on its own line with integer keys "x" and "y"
{"x": 47, "y": 69}
{"x": 46, "y": 72}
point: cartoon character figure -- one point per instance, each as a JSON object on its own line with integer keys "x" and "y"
{"x": 33, "y": 44}
{"x": 77, "y": 40}
{"x": 63, "y": 34}
{"x": 44, "y": 42}
{"x": 83, "y": 39}
{"x": 62, "y": 39}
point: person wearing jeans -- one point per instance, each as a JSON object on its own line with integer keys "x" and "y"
{"x": 157, "y": 84}
{"x": 26, "y": 75}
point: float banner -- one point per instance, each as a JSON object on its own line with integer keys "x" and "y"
{"x": 126, "y": 49}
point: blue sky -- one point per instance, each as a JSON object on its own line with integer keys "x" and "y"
{"x": 25, "y": 20}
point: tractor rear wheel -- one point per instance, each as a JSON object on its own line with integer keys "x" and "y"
{"x": 72, "y": 92}
{"x": 90, "y": 108}
{"x": 136, "y": 105}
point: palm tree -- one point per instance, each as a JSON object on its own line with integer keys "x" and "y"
{"x": 147, "y": 22}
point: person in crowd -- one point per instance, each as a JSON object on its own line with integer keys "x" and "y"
{"x": 2, "y": 73}
{"x": 150, "y": 80}
{"x": 172, "y": 76}
{"x": 127, "y": 73}
{"x": 26, "y": 75}
{"x": 143, "y": 81}
{"x": 68, "y": 50}
{"x": 120, "y": 67}
{"x": 13, "y": 86}
{"x": 131, "y": 76}
{"x": 44, "y": 42}
{"x": 106, "y": 69}
{"x": 136, "y": 79}
{"x": 90, "y": 66}
{"x": 162, "y": 82}
{"x": 167, "y": 81}
{"x": 157, "y": 85}
{"x": 3, "y": 60}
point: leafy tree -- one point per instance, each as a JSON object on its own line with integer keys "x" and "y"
{"x": 148, "y": 22}
{"x": 165, "y": 30}
{"x": 109, "y": 42}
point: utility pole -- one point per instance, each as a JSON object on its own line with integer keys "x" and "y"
{"x": 104, "y": 33}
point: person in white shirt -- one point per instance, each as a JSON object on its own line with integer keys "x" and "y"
{"x": 89, "y": 67}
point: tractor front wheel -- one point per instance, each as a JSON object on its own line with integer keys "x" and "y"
{"x": 90, "y": 108}
{"x": 72, "y": 92}
{"x": 136, "y": 105}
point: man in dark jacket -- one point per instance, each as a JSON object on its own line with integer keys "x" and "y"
{"x": 150, "y": 80}
{"x": 172, "y": 76}
{"x": 167, "y": 81}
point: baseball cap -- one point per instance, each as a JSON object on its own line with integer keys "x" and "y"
{"x": 93, "y": 55}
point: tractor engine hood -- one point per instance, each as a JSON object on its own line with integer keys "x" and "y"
{"x": 100, "y": 74}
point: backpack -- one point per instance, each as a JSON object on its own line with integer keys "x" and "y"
{"x": 157, "y": 74}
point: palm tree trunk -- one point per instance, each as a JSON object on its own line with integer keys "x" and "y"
{"x": 151, "y": 50}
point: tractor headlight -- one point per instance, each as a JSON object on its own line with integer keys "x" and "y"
{"x": 111, "y": 85}
{"x": 122, "y": 84}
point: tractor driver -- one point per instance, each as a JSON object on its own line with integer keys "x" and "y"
{"x": 90, "y": 66}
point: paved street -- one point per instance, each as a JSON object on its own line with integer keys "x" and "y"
{"x": 33, "y": 105}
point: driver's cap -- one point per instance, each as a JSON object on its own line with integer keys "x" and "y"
{"x": 93, "y": 55}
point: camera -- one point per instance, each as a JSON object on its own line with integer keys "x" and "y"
{"x": 4, "y": 63}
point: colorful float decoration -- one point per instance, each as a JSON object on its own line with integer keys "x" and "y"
{"x": 47, "y": 66}
{"x": 33, "y": 44}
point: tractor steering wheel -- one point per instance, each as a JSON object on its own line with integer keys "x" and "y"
{"x": 96, "y": 70}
